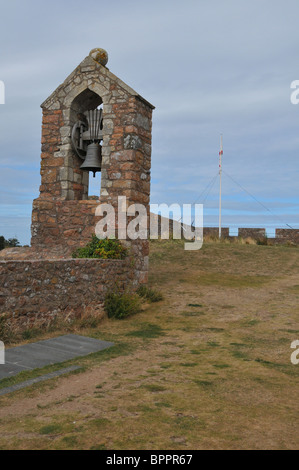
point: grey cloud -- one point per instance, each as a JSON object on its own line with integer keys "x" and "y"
{"x": 208, "y": 67}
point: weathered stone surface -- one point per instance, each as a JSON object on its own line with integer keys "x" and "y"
{"x": 254, "y": 233}
{"x": 287, "y": 235}
{"x": 282, "y": 236}
{"x": 56, "y": 287}
{"x": 214, "y": 231}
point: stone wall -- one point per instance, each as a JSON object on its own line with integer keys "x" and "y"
{"x": 66, "y": 225}
{"x": 37, "y": 291}
{"x": 287, "y": 235}
{"x": 214, "y": 231}
{"x": 255, "y": 233}
{"x": 61, "y": 226}
{"x": 281, "y": 235}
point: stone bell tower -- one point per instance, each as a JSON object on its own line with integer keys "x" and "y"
{"x": 63, "y": 217}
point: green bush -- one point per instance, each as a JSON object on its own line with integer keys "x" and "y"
{"x": 104, "y": 249}
{"x": 149, "y": 294}
{"x": 122, "y": 305}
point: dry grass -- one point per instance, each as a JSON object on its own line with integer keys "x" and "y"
{"x": 207, "y": 368}
{"x": 228, "y": 241}
{"x": 12, "y": 334}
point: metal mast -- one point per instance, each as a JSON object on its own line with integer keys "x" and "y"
{"x": 220, "y": 187}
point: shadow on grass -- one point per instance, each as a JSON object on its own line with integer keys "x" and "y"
{"x": 148, "y": 330}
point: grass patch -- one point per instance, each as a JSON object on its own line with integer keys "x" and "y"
{"x": 154, "y": 388}
{"x": 151, "y": 295}
{"x": 163, "y": 404}
{"x": 215, "y": 330}
{"x": 147, "y": 331}
{"x": 295, "y": 332}
{"x": 287, "y": 369}
{"x": 241, "y": 355}
{"x": 189, "y": 364}
{"x": 166, "y": 365}
{"x": 221, "y": 366}
{"x": 232, "y": 280}
{"x": 203, "y": 383}
{"x": 98, "y": 447}
{"x": 192, "y": 314}
{"x": 50, "y": 429}
{"x": 251, "y": 322}
{"x": 70, "y": 441}
{"x": 99, "y": 422}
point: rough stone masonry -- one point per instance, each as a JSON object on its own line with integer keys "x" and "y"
{"x": 63, "y": 217}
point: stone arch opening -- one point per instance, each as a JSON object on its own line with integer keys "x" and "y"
{"x": 84, "y": 185}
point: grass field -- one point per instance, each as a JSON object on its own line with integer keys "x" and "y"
{"x": 206, "y": 368}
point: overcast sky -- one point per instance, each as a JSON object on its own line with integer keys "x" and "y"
{"x": 209, "y": 67}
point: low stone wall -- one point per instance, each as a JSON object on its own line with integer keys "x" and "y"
{"x": 255, "y": 233}
{"x": 281, "y": 235}
{"x": 287, "y": 235}
{"x": 37, "y": 291}
{"x": 214, "y": 232}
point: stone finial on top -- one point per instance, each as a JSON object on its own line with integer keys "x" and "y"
{"x": 99, "y": 55}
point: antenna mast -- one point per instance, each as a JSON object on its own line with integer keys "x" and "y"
{"x": 220, "y": 187}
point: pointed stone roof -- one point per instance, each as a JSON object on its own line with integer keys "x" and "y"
{"x": 87, "y": 72}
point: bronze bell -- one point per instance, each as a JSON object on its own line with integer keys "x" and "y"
{"x": 93, "y": 158}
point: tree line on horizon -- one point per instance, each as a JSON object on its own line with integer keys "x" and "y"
{"x": 10, "y": 243}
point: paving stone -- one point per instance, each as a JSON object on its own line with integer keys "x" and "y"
{"x": 48, "y": 352}
{"x": 35, "y": 355}
{"x": 8, "y": 370}
{"x": 27, "y": 383}
{"x": 77, "y": 344}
